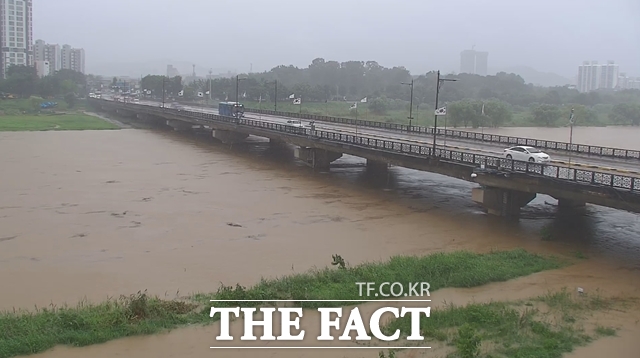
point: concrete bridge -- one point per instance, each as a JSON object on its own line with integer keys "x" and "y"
{"x": 504, "y": 185}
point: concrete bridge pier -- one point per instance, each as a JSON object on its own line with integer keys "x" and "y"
{"x": 569, "y": 203}
{"x": 229, "y": 137}
{"x": 501, "y": 202}
{"x": 278, "y": 144}
{"x": 316, "y": 158}
{"x": 179, "y": 125}
{"x": 377, "y": 167}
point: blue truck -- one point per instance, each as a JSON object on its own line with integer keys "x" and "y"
{"x": 231, "y": 109}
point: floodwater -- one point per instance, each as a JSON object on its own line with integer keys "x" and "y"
{"x": 97, "y": 214}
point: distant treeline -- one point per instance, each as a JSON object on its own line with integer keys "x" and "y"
{"x": 503, "y": 95}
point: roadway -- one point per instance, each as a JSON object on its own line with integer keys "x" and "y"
{"x": 491, "y": 149}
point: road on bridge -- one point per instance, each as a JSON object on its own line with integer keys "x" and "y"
{"x": 606, "y": 165}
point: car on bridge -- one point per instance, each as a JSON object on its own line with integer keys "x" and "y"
{"x": 295, "y": 123}
{"x": 526, "y": 154}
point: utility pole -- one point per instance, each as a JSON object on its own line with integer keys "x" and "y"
{"x": 410, "y": 103}
{"x": 275, "y": 105}
{"x": 164, "y": 79}
{"x": 571, "y": 122}
{"x": 210, "y": 72}
{"x": 435, "y": 122}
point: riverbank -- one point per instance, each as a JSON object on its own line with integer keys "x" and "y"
{"x": 56, "y": 122}
{"x": 86, "y": 324}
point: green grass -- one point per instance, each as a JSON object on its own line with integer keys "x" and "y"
{"x": 32, "y": 332}
{"x": 45, "y": 122}
{"x": 399, "y": 111}
{"x": 548, "y": 326}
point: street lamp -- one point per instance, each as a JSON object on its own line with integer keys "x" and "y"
{"x": 435, "y": 122}
{"x": 410, "y": 103}
{"x": 571, "y": 122}
{"x": 164, "y": 80}
{"x": 237, "y": 88}
{"x": 275, "y": 105}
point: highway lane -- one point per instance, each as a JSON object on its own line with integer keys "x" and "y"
{"x": 491, "y": 149}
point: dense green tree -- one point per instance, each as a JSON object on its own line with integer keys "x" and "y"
{"x": 546, "y": 114}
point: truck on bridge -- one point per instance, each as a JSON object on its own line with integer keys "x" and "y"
{"x": 231, "y": 109}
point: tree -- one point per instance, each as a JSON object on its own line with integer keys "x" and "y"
{"x": 625, "y": 113}
{"x": 21, "y": 80}
{"x": 463, "y": 113}
{"x": 70, "y": 98}
{"x": 546, "y": 115}
{"x": 497, "y": 113}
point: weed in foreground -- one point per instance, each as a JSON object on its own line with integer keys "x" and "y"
{"x": 548, "y": 326}
{"x": 441, "y": 270}
{"x": 25, "y": 332}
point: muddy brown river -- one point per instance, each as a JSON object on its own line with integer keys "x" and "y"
{"x": 95, "y": 214}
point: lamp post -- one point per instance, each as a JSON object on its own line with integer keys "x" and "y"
{"x": 410, "y": 103}
{"x": 571, "y": 122}
{"x": 435, "y": 121}
{"x": 238, "y": 79}
{"x": 164, "y": 79}
{"x": 275, "y": 105}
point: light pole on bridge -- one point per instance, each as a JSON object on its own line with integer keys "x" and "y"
{"x": 440, "y": 81}
{"x": 410, "y": 103}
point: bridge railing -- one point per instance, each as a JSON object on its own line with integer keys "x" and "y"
{"x": 584, "y": 176}
{"x": 594, "y": 150}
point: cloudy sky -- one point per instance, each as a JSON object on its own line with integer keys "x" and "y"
{"x": 422, "y": 35}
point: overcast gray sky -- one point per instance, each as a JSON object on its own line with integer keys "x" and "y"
{"x": 422, "y": 35}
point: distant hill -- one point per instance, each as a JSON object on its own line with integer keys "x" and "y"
{"x": 530, "y": 75}
{"x": 159, "y": 67}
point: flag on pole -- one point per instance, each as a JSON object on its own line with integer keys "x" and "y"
{"x": 292, "y": 96}
{"x": 244, "y": 95}
{"x": 181, "y": 93}
{"x": 354, "y": 106}
{"x": 364, "y": 100}
{"x": 297, "y": 101}
{"x": 571, "y": 117}
{"x": 200, "y": 94}
{"x": 441, "y": 111}
{"x": 482, "y": 109}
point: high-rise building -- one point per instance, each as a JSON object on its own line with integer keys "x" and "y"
{"x": 47, "y": 52}
{"x": 72, "y": 58}
{"x": 16, "y": 33}
{"x": 474, "y": 62}
{"x": 172, "y": 71}
{"x": 609, "y": 76}
{"x": 592, "y": 76}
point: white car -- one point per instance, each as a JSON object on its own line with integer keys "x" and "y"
{"x": 295, "y": 123}
{"x": 526, "y": 154}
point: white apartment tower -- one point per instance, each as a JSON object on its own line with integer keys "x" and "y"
{"x": 16, "y": 34}
{"x": 72, "y": 58}
{"x": 46, "y": 52}
{"x": 592, "y": 76}
{"x": 609, "y": 76}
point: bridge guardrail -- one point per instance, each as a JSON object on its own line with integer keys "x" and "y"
{"x": 592, "y": 177}
{"x": 619, "y": 153}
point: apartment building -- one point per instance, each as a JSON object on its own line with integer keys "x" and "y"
{"x": 47, "y": 52}
{"x": 16, "y": 34}
{"x": 64, "y": 57}
{"x": 474, "y": 62}
{"x": 593, "y": 76}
